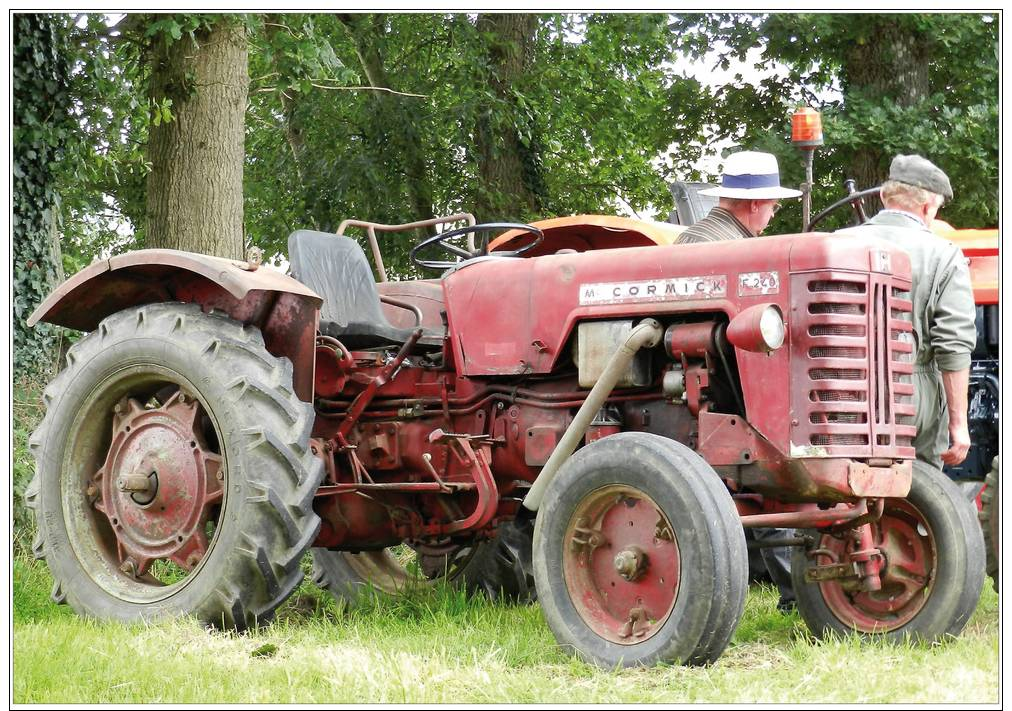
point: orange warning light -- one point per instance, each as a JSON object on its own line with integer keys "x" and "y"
{"x": 806, "y": 128}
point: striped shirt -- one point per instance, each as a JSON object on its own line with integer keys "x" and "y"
{"x": 719, "y": 225}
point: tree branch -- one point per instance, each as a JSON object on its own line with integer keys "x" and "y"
{"x": 268, "y": 89}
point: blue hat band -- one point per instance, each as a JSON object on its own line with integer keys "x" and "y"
{"x": 747, "y": 182}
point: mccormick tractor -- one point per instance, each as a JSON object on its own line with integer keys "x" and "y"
{"x": 639, "y": 406}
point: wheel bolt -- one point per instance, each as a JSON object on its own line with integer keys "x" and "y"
{"x": 220, "y": 476}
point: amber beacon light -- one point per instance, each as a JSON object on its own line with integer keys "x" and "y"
{"x": 806, "y": 128}
{"x": 806, "y": 135}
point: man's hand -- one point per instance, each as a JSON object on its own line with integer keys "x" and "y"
{"x": 955, "y": 383}
{"x": 959, "y": 435}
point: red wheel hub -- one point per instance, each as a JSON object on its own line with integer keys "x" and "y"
{"x": 621, "y": 564}
{"x": 159, "y": 483}
{"x": 908, "y": 548}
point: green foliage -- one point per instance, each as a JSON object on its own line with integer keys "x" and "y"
{"x": 868, "y": 67}
{"x": 593, "y": 113}
{"x": 102, "y": 179}
{"x": 42, "y": 128}
{"x": 607, "y": 108}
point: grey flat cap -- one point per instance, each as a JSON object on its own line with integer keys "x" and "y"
{"x": 922, "y": 173}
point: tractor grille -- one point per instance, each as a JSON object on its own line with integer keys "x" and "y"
{"x": 855, "y": 382}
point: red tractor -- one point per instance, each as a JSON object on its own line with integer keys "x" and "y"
{"x": 640, "y": 406}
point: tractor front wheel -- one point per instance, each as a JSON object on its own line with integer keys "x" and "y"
{"x": 932, "y": 574}
{"x": 174, "y": 475}
{"x": 639, "y": 554}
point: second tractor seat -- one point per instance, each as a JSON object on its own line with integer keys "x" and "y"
{"x": 336, "y": 268}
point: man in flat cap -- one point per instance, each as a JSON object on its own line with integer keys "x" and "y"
{"x": 943, "y": 308}
{"x": 749, "y": 195}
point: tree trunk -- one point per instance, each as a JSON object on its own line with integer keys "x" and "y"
{"x": 194, "y": 190}
{"x": 508, "y": 168}
{"x": 892, "y": 62}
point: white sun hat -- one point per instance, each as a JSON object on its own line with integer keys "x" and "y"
{"x": 751, "y": 175}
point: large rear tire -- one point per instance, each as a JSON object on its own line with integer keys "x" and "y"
{"x": 174, "y": 475}
{"x": 639, "y": 554}
{"x": 989, "y": 521}
{"x": 931, "y": 580}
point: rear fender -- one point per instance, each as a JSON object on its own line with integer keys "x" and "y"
{"x": 286, "y": 311}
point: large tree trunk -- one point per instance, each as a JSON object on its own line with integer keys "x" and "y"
{"x": 508, "y": 168}
{"x": 892, "y": 62}
{"x": 194, "y": 190}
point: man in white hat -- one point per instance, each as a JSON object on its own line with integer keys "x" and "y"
{"x": 749, "y": 195}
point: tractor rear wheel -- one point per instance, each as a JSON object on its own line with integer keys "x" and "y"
{"x": 499, "y": 568}
{"x": 174, "y": 475}
{"x": 932, "y": 575}
{"x": 989, "y": 513}
{"x": 639, "y": 554}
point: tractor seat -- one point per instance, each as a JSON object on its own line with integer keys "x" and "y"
{"x": 336, "y": 268}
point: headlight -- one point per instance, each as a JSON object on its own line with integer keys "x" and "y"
{"x": 759, "y": 329}
{"x": 771, "y": 325}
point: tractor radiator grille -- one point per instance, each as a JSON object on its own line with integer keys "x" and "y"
{"x": 856, "y": 380}
{"x": 828, "y": 330}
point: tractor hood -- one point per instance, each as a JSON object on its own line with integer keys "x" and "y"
{"x": 515, "y": 316}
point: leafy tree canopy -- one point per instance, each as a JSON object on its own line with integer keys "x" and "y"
{"x": 905, "y": 83}
{"x": 379, "y": 116}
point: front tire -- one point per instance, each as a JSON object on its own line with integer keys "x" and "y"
{"x": 639, "y": 554}
{"x": 931, "y": 580}
{"x": 174, "y": 475}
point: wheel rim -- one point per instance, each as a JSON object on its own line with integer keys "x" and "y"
{"x": 143, "y": 483}
{"x": 908, "y": 547}
{"x": 621, "y": 564}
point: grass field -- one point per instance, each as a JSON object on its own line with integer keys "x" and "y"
{"x": 440, "y": 647}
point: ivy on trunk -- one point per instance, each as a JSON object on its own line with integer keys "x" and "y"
{"x": 42, "y": 126}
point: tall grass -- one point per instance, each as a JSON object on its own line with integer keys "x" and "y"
{"x": 27, "y": 413}
{"x": 439, "y": 646}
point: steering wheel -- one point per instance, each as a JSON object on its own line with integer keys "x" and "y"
{"x": 440, "y": 240}
{"x": 855, "y": 199}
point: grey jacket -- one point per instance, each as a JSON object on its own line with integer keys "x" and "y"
{"x": 942, "y": 297}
